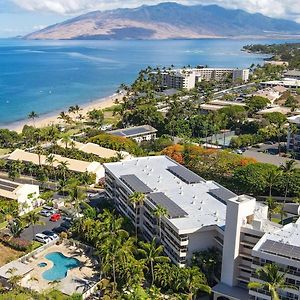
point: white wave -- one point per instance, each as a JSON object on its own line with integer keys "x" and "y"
{"x": 89, "y": 57}
{"x": 29, "y": 51}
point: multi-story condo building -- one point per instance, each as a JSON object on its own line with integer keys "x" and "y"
{"x": 202, "y": 214}
{"x": 293, "y": 139}
{"x": 188, "y": 77}
{"x": 196, "y": 208}
{"x": 281, "y": 247}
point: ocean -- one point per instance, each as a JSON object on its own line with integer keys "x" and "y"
{"x": 48, "y": 76}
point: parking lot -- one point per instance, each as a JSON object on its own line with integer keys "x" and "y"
{"x": 28, "y": 233}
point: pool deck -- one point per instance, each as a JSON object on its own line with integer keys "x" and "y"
{"x": 78, "y": 280}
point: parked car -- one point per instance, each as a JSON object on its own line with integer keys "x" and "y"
{"x": 46, "y": 213}
{"x": 42, "y": 238}
{"x": 53, "y": 236}
{"x": 59, "y": 229}
{"x": 55, "y": 217}
{"x": 66, "y": 225}
{"x": 238, "y": 151}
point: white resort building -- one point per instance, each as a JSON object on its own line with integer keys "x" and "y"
{"x": 26, "y": 195}
{"x": 187, "y": 78}
{"x": 202, "y": 214}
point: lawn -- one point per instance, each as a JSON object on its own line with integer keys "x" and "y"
{"x": 109, "y": 117}
{"x": 8, "y": 254}
{"x": 4, "y": 151}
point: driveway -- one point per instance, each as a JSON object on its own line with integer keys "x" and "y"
{"x": 27, "y": 233}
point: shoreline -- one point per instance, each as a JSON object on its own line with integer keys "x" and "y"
{"x": 51, "y": 118}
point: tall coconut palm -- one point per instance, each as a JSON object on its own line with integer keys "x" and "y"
{"x": 159, "y": 213}
{"x": 39, "y": 151}
{"x": 66, "y": 139}
{"x": 63, "y": 167}
{"x": 32, "y": 116}
{"x": 33, "y": 219}
{"x": 152, "y": 254}
{"x": 271, "y": 179}
{"x": 288, "y": 171}
{"x": 137, "y": 200}
{"x": 76, "y": 196}
{"x": 273, "y": 280}
{"x": 272, "y": 206}
{"x": 50, "y": 160}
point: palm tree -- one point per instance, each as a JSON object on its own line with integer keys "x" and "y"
{"x": 152, "y": 254}
{"x": 273, "y": 280}
{"x": 51, "y": 160}
{"x": 14, "y": 279}
{"x": 66, "y": 139}
{"x": 63, "y": 167}
{"x": 272, "y": 206}
{"x": 15, "y": 227}
{"x": 33, "y": 218}
{"x": 39, "y": 151}
{"x": 32, "y": 116}
{"x": 76, "y": 196}
{"x": 288, "y": 171}
{"x": 160, "y": 212}
{"x": 271, "y": 178}
{"x": 137, "y": 200}
{"x": 195, "y": 282}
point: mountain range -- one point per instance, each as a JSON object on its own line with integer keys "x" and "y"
{"x": 167, "y": 21}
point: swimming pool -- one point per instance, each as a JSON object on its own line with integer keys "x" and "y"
{"x": 61, "y": 265}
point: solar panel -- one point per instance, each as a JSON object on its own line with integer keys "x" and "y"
{"x": 185, "y": 174}
{"x": 174, "y": 211}
{"x": 281, "y": 249}
{"x": 222, "y": 194}
{"x": 132, "y": 131}
{"x": 135, "y": 131}
{"x": 135, "y": 184}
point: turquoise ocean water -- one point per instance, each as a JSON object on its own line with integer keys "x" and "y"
{"x": 47, "y": 76}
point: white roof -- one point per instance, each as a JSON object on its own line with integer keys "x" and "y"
{"x": 286, "y": 82}
{"x": 289, "y": 235}
{"x": 72, "y": 164}
{"x": 201, "y": 207}
{"x": 96, "y": 149}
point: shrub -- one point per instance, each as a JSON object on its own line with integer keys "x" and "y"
{"x": 15, "y": 243}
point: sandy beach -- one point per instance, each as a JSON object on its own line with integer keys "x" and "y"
{"x": 51, "y": 118}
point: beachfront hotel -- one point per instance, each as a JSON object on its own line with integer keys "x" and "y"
{"x": 203, "y": 214}
{"x": 188, "y": 77}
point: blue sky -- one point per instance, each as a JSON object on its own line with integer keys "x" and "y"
{"x": 18, "y": 17}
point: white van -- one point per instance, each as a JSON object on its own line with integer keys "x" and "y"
{"x": 42, "y": 238}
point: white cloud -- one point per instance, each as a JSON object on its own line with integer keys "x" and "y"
{"x": 274, "y": 8}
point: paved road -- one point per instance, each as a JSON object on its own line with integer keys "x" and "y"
{"x": 27, "y": 234}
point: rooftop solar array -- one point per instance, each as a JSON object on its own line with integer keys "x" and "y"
{"x": 222, "y": 194}
{"x": 281, "y": 249}
{"x": 135, "y": 184}
{"x": 185, "y": 174}
{"x": 174, "y": 211}
{"x": 127, "y": 132}
{"x": 8, "y": 186}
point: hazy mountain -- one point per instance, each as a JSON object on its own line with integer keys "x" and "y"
{"x": 167, "y": 21}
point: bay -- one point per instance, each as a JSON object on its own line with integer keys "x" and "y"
{"x": 47, "y": 76}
